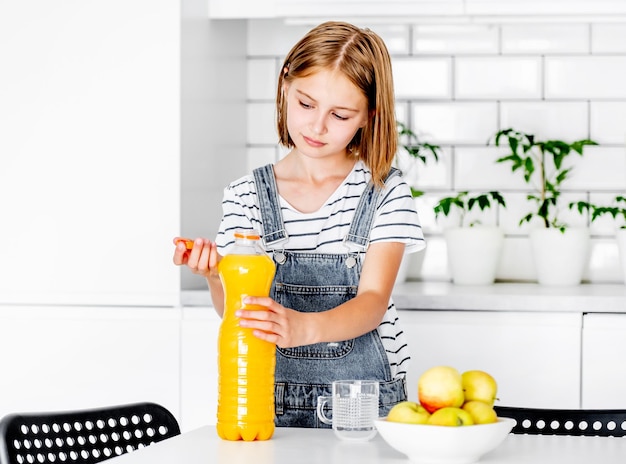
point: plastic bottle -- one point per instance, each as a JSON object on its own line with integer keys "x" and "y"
{"x": 246, "y": 364}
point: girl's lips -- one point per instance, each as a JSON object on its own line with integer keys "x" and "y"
{"x": 313, "y": 143}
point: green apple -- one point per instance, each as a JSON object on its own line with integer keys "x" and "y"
{"x": 440, "y": 387}
{"x": 450, "y": 417}
{"x": 408, "y": 412}
{"x": 479, "y": 386}
{"x": 481, "y": 412}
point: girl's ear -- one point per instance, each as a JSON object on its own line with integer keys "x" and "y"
{"x": 370, "y": 118}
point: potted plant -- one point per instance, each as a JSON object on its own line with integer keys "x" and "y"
{"x": 617, "y": 210}
{"x": 473, "y": 248}
{"x": 560, "y": 252}
{"x": 413, "y": 152}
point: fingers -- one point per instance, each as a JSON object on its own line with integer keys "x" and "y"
{"x": 201, "y": 258}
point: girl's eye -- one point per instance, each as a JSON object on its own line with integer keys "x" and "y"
{"x": 341, "y": 118}
{"x": 305, "y": 105}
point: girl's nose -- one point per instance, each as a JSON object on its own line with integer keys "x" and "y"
{"x": 319, "y": 124}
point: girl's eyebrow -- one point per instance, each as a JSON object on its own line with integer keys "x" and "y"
{"x": 343, "y": 108}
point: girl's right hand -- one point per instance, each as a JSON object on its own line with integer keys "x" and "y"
{"x": 202, "y": 258}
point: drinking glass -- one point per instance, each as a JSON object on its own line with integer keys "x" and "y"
{"x": 354, "y": 405}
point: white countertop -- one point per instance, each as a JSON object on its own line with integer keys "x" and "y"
{"x": 609, "y": 298}
{"x": 303, "y": 446}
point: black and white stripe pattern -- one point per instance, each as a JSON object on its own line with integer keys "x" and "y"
{"x": 323, "y": 231}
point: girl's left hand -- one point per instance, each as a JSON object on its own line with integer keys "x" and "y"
{"x": 276, "y": 324}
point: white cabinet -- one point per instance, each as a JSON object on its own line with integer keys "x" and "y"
{"x": 604, "y": 374}
{"x": 199, "y": 329}
{"x": 56, "y": 358}
{"x": 331, "y": 8}
{"x": 90, "y": 152}
{"x": 534, "y": 356}
{"x": 319, "y": 9}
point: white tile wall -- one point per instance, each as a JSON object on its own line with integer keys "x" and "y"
{"x": 497, "y": 77}
{"x": 456, "y": 122}
{"x": 455, "y": 39}
{"x": 585, "y": 77}
{"x": 425, "y": 78}
{"x": 456, "y": 85}
{"x": 545, "y": 38}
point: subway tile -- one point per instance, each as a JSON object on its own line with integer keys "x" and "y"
{"x": 517, "y": 206}
{"x": 456, "y": 122}
{"x": 261, "y": 124}
{"x": 608, "y": 38}
{"x": 585, "y": 77}
{"x": 608, "y": 121}
{"x": 475, "y": 168}
{"x": 545, "y": 38}
{"x": 402, "y": 111}
{"x": 427, "y": 78}
{"x": 395, "y": 36}
{"x": 547, "y": 119}
{"x": 262, "y": 78}
{"x": 599, "y": 168}
{"x": 432, "y": 175}
{"x": 497, "y": 77}
{"x": 455, "y": 39}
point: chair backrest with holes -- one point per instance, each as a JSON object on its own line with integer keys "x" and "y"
{"x": 84, "y": 436}
{"x": 591, "y": 422}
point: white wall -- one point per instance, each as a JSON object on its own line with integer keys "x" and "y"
{"x": 457, "y": 85}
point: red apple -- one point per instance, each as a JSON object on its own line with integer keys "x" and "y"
{"x": 440, "y": 387}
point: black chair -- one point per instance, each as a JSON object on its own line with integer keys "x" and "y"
{"x": 84, "y": 436}
{"x": 591, "y": 422}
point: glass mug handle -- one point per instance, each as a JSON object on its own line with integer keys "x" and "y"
{"x": 321, "y": 401}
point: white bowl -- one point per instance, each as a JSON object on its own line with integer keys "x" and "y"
{"x": 437, "y": 444}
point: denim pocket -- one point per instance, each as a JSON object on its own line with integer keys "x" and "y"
{"x": 315, "y": 299}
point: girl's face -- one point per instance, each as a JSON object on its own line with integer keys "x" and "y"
{"x": 324, "y": 112}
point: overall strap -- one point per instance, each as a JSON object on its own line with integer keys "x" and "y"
{"x": 271, "y": 217}
{"x": 359, "y": 232}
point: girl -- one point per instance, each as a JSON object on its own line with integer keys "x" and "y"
{"x": 337, "y": 219}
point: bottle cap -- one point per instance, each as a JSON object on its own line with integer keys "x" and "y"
{"x": 251, "y": 234}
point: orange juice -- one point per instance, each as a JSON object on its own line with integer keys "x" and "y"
{"x": 245, "y": 409}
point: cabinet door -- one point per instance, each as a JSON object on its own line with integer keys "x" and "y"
{"x": 89, "y": 152}
{"x": 56, "y": 358}
{"x": 200, "y": 326}
{"x": 534, "y": 357}
{"x": 604, "y": 375}
{"x": 311, "y": 8}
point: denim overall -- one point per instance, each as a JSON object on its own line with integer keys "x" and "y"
{"x": 314, "y": 282}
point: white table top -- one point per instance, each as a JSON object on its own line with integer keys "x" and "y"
{"x": 292, "y": 445}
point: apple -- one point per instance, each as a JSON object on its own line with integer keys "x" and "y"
{"x": 408, "y": 412}
{"x": 450, "y": 417}
{"x": 440, "y": 387}
{"x": 481, "y": 412}
{"x": 479, "y": 386}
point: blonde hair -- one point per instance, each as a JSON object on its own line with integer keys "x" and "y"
{"x": 362, "y": 57}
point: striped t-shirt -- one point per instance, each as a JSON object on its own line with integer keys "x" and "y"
{"x": 323, "y": 231}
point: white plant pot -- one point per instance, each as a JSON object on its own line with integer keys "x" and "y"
{"x": 560, "y": 257}
{"x": 620, "y": 236}
{"x": 474, "y": 254}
